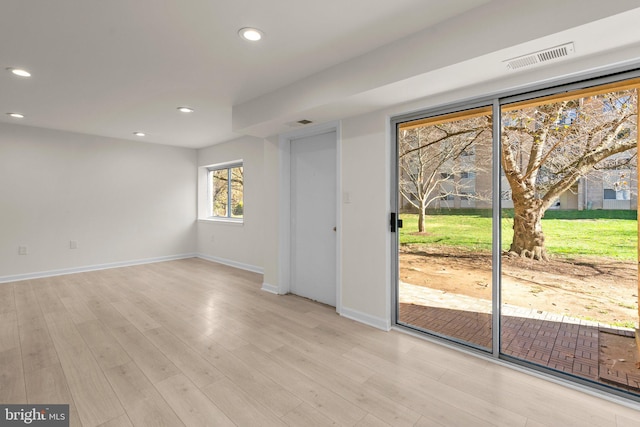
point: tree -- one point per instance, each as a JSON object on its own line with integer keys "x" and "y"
{"x": 547, "y": 147}
{"x": 433, "y": 160}
{"x": 227, "y": 195}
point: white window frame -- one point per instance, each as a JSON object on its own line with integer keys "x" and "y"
{"x": 208, "y": 211}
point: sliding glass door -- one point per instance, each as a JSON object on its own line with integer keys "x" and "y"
{"x": 445, "y": 196}
{"x": 570, "y": 273}
{"x": 520, "y": 230}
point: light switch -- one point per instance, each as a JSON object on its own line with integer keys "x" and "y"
{"x": 346, "y": 197}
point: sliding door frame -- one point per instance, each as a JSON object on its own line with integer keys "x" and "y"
{"x": 395, "y": 123}
{"x": 496, "y": 101}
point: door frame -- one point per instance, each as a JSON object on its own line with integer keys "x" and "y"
{"x": 497, "y": 100}
{"x": 284, "y": 203}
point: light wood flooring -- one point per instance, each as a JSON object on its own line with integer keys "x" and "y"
{"x": 196, "y": 343}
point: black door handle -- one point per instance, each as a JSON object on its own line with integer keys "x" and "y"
{"x": 395, "y": 223}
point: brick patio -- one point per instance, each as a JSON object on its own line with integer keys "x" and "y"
{"x": 560, "y": 342}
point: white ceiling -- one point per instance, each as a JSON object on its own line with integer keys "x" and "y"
{"x": 114, "y": 67}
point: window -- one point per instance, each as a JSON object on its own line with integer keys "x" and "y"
{"x": 616, "y": 185}
{"x": 226, "y": 185}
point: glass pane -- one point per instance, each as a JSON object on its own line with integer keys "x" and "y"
{"x": 220, "y": 191}
{"x": 569, "y": 274}
{"x": 237, "y": 183}
{"x": 445, "y": 263}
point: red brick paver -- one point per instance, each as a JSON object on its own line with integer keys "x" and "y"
{"x": 553, "y": 340}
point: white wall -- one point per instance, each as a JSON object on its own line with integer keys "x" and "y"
{"x": 122, "y": 201}
{"x": 366, "y": 267}
{"x": 228, "y": 242}
{"x": 365, "y": 150}
{"x": 271, "y": 197}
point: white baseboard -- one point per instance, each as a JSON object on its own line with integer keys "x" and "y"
{"x": 367, "y": 319}
{"x": 83, "y": 269}
{"x": 270, "y": 288}
{"x": 232, "y": 263}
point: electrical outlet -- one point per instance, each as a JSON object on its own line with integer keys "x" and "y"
{"x": 73, "y": 244}
{"x": 22, "y": 250}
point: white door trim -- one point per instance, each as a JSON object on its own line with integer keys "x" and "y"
{"x": 284, "y": 235}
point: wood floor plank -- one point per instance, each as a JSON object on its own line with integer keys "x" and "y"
{"x": 376, "y": 403}
{"x": 190, "y": 404}
{"x": 253, "y": 382}
{"x": 399, "y": 368}
{"x": 44, "y": 290}
{"x": 48, "y": 385}
{"x": 78, "y": 310}
{"x": 429, "y": 422}
{"x": 38, "y": 350}
{"x": 148, "y": 357}
{"x": 371, "y": 421}
{"x": 519, "y": 393}
{"x": 324, "y": 354}
{"x": 443, "y": 404}
{"x": 628, "y": 420}
{"x": 185, "y": 358}
{"x": 12, "y": 388}
{"x": 239, "y": 407}
{"x": 9, "y": 335}
{"x": 138, "y": 318}
{"x": 307, "y": 415}
{"x": 323, "y": 399}
{"x": 121, "y": 421}
{"x": 28, "y": 310}
{"x": 315, "y": 335}
{"x": 106, "y": 313}
{"x": 130, "y": 383}
{"x": 106, "y": 349}
{"x": 228, "y": 340}
{"x": 94, "y": 398}
{"x": 191, "y": 342}
{"x": 142, "y": 401}
{"x": 257, "y": 337}
{"x": 530, "y": 423}
{"x": 7, "y": 299}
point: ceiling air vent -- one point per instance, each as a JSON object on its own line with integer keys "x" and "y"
{"x": 547, "y": 55}
{"x": 299, "y": 123}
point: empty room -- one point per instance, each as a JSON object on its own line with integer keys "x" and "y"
{"x": 291, "y": 213}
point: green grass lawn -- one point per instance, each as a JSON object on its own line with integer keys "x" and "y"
{"x": 567, "y": 233}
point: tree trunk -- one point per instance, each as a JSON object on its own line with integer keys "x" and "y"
{"x": 421, "y": 220}
{"x": 528, "y": 238}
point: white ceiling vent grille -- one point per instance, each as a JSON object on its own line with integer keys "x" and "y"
{"x": 547, "y": 55}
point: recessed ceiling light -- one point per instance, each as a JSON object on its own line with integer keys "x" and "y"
{"x": 251, "y": 34}
{"x": 139, "y": 134}
{"x": 16, "y": 115}
{"x": 19, "y": 72}
{"x": 186, "y": 109}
